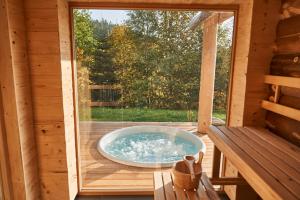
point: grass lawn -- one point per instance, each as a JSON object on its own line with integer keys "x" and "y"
{"x": 146, "y": 115}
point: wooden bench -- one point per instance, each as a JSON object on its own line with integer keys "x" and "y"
{"x": 164, "y": 189}
{"x": 270, "y": 164}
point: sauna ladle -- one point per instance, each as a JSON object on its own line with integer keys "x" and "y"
{"x": 189, "y": 162}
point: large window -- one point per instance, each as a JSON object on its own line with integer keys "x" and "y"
{"x": 139, "y": 67}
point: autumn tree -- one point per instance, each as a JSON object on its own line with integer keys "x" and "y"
{"x": 165, "y": 71}
{"x": 85, "y": 44}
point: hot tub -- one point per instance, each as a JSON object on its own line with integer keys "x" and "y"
{"x": 149, "y": 146}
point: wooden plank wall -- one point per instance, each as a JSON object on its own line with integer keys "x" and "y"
{"x": 286, "y": 62}
{"x": 48, "y": 48}
{"x": 6, "y": 183}
{"x": 263, "y": 35}
{"x": 16, "y": 98}
{"x": 50, "y": 64}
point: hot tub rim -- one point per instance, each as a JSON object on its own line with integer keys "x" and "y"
{"x": 116, "y": 133}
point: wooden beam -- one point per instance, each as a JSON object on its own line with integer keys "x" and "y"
{"x": 5, "y": 175}
{"x": 228, "y": 181}
{"x": 283, "y": 81}
{"x": 290, "y": 8}
{"x": 282, "y": 110}
{"x": 289, "y": 27}
{"x": 216, "y": 163}
{"x": 200, "y": 17}
{"x": 208, "y": 66}
{"x": 104, "y": 87}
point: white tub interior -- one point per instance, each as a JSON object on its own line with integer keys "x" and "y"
{"x": 130, "y": 131}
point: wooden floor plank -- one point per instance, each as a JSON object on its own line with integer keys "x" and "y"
{"x": 97, "y": 172}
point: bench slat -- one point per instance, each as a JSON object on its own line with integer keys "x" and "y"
{"x": 209, "y": 189}
{"x": 192, "y": 195}
{"x": 290, "y": 149}
{"x": 201, "y": 193}
{"x": 168, "y": 184}
{"x": 248, "y": 147}
{"x": 166, "y": 190}
{"x": 256, "y": 176}
{"x": 159, "y": 193}
{"x": 277, "y": 156}
{"x": 180, "y": 194}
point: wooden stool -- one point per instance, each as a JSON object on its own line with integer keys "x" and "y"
{"x": 164, "y": 189}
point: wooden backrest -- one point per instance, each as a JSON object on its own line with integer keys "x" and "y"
{"x": 283, "y": 105}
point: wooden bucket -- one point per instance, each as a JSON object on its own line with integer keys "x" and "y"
{"x": 182, "y": 177}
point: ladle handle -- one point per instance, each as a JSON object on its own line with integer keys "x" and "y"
{"x": 199, "y": 161}
{"x": 189, "y": 162}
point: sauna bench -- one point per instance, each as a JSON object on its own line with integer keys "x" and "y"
{"x": 270, "y": 164}
{"x": 164, "y": 189}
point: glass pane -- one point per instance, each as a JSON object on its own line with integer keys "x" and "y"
{"x": 141, "y": 69}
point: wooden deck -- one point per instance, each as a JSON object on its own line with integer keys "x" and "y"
{"x": 102, "y": 176}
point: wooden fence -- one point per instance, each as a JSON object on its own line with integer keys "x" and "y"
{"x": 107, "y": 95}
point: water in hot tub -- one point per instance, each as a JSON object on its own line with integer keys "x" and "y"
{"x": 148, "y": 147}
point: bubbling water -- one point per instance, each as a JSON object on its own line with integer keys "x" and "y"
{"x": 149, "y": 147}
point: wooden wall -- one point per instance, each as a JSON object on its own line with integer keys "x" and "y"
{"x": 263, "y": 34}
{"x": 51, "y": 77}
{"x": 46, "y": 37}
{"x": 16, "y": 98}
{"x": 286, "y": 62}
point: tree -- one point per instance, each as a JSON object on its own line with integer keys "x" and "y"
{"x": 222, "y": 66}
{"x": 102, "y": 70}
{"x": 84, "y": 39}
{"x": 152, "y": 57}
{"x": 165, "y": 71}
{"x": 85, "y": 47}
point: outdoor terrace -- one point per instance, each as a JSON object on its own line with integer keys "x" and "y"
{"x": 99, "y": 173}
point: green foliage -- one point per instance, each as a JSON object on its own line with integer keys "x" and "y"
{"x": 84, "y": 39}
{"x": 151, "y": 57}
{"x": 103, "y": 67}
{"x": 157, "y": 61}
{"x": 222, "y": 67}
{"x": 85, "y": 47}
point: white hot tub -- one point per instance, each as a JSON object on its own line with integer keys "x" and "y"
{"x": 149, "y": 146}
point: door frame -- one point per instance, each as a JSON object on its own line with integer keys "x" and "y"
{"x": 75, "y": 4}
